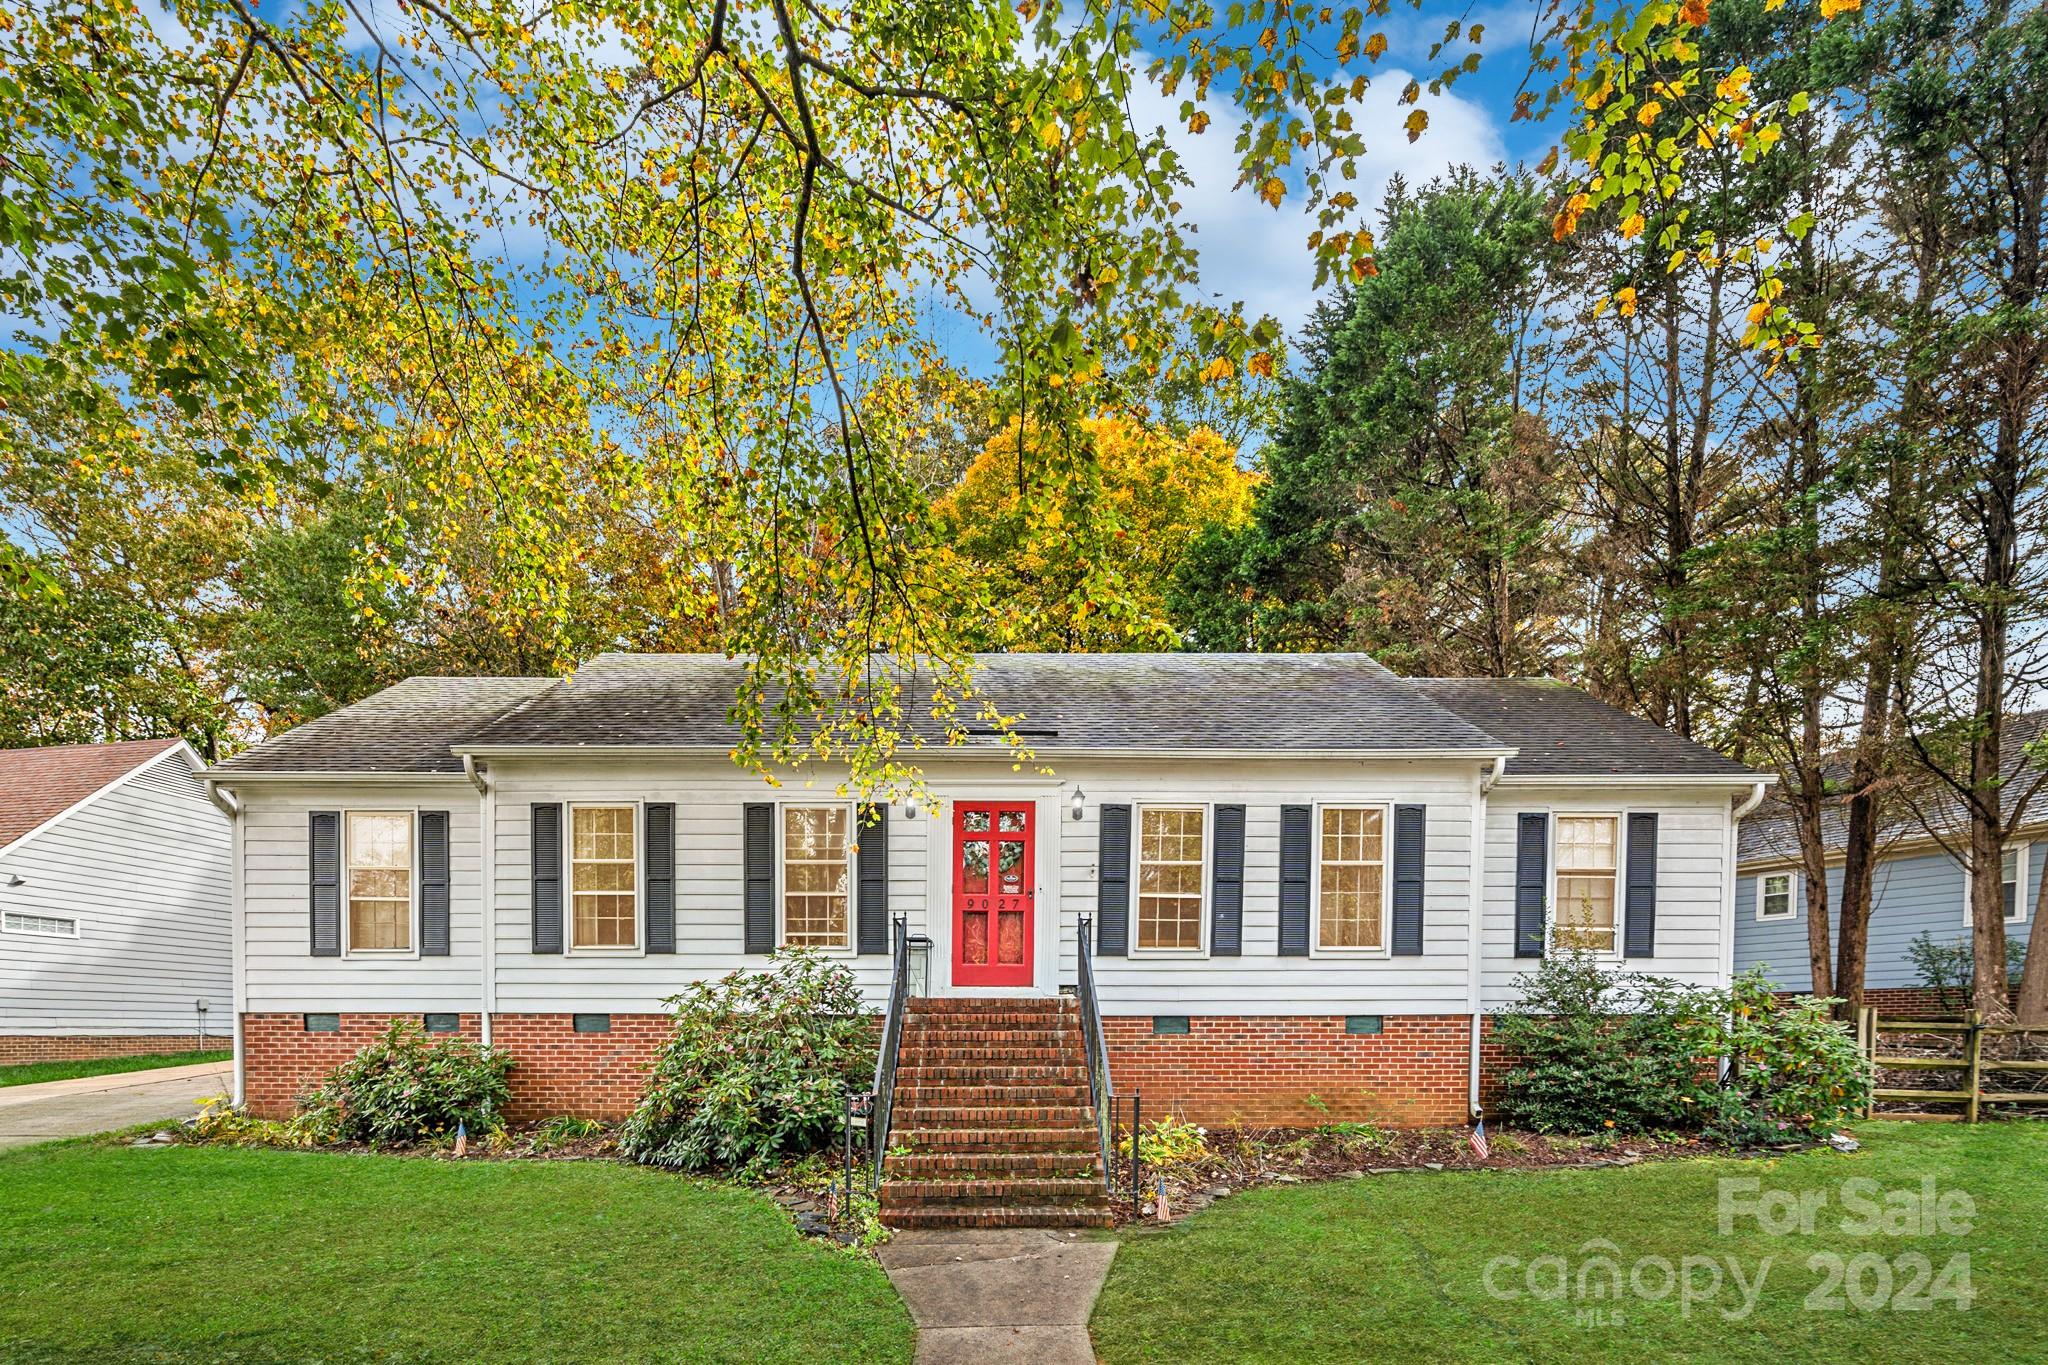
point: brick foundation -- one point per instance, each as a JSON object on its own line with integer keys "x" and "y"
{"x": 1231, "y": 1071}
{"x": 1227, "y": 1070}
{"x": 36, "y": 1047}
{"x": 557, "y": 1070}
{"x": 280, "y": 1058}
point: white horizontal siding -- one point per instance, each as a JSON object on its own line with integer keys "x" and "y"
{"x": 1692, "y": 861}
{"x": 281, "y": 975}
{"x": 144, "y": 870}
{"x": 710, "y": 797}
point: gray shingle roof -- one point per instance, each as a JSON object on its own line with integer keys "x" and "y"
{"x": 406, "y": 728}
{"x": 1563, "y": 732}
{"x": 1266, "y": 702}
{"x": 1193, "y": 703}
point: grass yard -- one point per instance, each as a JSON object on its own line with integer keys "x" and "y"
{"x": 1394, "y": 1267}
{"x": 111, "y": 1253}
{"x": 30, "y": 1073}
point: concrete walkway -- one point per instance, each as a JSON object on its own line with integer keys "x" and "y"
{"x": 94, "y": 1104}
{"x": 998, "y": 1295}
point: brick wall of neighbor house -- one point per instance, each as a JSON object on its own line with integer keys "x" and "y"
{"x": 280, "y": 1058}
{"x": 36, "y": 1047}
{"x": 1239, "y": 1070}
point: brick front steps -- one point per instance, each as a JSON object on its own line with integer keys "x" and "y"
{"x": 992, "y": 1125}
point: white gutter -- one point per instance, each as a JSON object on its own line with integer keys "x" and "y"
{"x": 987, "y": 751}
{"x": 1635, "y": 780}
{"x": 225, "y": 798}
{"x": 1756, "y": 798}
{"x": 352, "y": 776}
{"x": 476, "y": 779}
{"x": 1490, "y": 779}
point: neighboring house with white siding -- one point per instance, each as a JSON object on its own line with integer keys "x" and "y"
{"x": 1307, "y": 878}
{"x": 114, "y": 902}
{"x": 1919, "y": 886}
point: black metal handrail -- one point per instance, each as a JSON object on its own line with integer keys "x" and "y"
{"x": 883, "y": 1103}
{"x": 1097, "y": 1048}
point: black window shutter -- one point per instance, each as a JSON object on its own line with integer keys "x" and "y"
{"x": 658, "y": 865}
{"x": 1642, "y": 885}
{"x": 1295, "y": 848}
{"x": 1226, "y": 888}
{"x": 323, "y": 897}
{"x": 433, "y": 876}
{"x": 547, "y": 877}
{"x": 1113, "y": 883}
{"x": 759, "y": 844}
{"x": 1409, "y": 822}
{"x": 1532, "y": 871}
{"x": 873, "y": 867}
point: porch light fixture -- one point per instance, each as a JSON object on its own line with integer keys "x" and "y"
{"x": 910, "y": 806}
{"x": 1079, "y": 798}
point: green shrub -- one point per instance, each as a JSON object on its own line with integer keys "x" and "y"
{"x": 1949, "y": 969}
{"x": 404, "y": 1088}
{"x": 1593, "y": 1050}
{"x": 757, "y": 1068}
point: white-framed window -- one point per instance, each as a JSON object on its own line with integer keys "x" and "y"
{"x": 39, "y": 926}
{"x": 1774, "y": 896}
{"x": 1351, "y": 886}
{"x": 2013, "y": 885}
{"x": 1173, "y": 845}
{"x": 816, "y": 851}
{"x": 604, "y": 877}
{"x": 1586, "y": 882}
{"x": 377, "y": 851}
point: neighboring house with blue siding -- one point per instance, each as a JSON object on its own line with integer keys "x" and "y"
{"x": 1919, "y": 887}
{"x": 115, "y": 896}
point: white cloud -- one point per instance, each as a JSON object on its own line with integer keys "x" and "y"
{"x": 1259, "y": 254}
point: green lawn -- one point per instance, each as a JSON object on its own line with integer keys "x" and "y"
{"x": 29, "y": 1073}
{"x": 1394, "y": 1267}
{"x": 197, "y": 1254}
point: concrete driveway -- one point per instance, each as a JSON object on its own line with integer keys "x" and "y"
{"x": 94, "y": 1104}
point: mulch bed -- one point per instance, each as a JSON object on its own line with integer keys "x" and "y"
{"x": 1240, "y": 1159}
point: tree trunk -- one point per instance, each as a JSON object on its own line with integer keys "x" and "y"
{"x": 2033, "y": 1010}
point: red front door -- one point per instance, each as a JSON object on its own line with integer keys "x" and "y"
{"x": 992, "y": 894}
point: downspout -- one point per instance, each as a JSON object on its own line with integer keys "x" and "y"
{"x": 1756, "y": 797}
{"x": 486, "y": 808}
{"x": 231, "y": 806}
{"x": 1488, "y": 777}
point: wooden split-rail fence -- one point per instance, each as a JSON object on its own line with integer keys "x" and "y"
{"x": 1969, "y": 1065}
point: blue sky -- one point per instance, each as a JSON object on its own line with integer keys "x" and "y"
{"x": 1257, "y": 253}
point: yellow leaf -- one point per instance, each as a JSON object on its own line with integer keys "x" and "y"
{"x": 1830, "y": 8}
{"x": 1273, "y": 190}
{"x": 1647, "y": 115}
{"x": 1418, "y": 119}
{"x": 1376, "y": 46}
{"x": 1632, "y": 226}
{"x": 1050, "y": 134}
{"x": 1199, "y": 123}
{"x": 1625, "y": 299}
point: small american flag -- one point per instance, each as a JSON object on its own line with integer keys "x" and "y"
{"x": 1479, "y": 1147}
